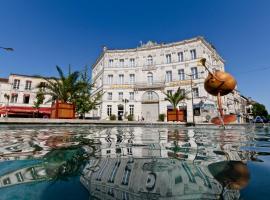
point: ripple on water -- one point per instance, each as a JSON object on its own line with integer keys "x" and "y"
{"x": 133, "y": 162}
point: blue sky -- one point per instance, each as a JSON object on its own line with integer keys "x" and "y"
{"x": 46, "y": 33}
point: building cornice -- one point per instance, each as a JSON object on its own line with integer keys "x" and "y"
{"x": 159, "y": 46}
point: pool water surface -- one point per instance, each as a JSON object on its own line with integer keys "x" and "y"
{"x": 130, "y": 162}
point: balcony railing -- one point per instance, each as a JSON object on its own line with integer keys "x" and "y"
{"x": 146, "y": 85}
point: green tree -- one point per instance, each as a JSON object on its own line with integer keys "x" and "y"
{"x": 259, "y": 110}
{"x": 39, "y": 100}
{"x": 86, "y": 102}
{"x": 175, "y": 98}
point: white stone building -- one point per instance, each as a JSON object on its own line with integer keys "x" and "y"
{"x": 17, "y": 96}
{"x": 134, "y": 80}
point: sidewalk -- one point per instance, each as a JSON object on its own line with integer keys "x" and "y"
{"x": 19, "y": 122}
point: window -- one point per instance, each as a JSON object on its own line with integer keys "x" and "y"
{"x": 131, "y": 96}
{"x": 150, "y": 78}
{"x": 169, "y": 92}
{"x": 26, "y": 98}
{"x": 122, "y": 62}
{"x": 109, "y": 96}
{"x": 110, "y": 79}
{"x": 131, "y": 78}
{"x": 120, "y": 96}
{"x": 28, "y": 85}
{"x": 16, "y": 84}
{"x": 195, "y": 92}
{"x": 42, "y": 86}
{"x": 193, "y": 54}
{"x": 194, "y": 72}
{"x": 109, "y": 110}
{"x": 168, "y": 58}
{"x": 168, "y": 76}
{"x": 180, "y": 57}
{"x": 6, "y": 181}
{"x": 150, "y": 95}
{"x": 181, "y": 74}
{"x": 150, "y": 60}
{"x": 14, "y": 98}
{"x": 121, "y": 78}
{"x": 132, "y": 62}
{"x": 111, "y": 63}
{"x": 131, "y": 109}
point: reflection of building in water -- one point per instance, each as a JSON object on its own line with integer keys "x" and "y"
{"x": 185, "y": 144}
{"x": 132, "y": 141}
{"x": 29, "y": 143}
{"x": 135, "y": 178}
{"x": 24, "y": 175}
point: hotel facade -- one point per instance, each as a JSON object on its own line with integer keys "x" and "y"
{"x": 134, "y": 80}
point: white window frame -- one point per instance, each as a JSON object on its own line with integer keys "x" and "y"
{"x": 168, "y": 77}
{"x": 122, "y": 62}
{"x": 121, "y": 79}
{"x": 131, "y": 78}
{"x": 131, "y": 96}
{"x": 131, "y": 110}
{"x": 193, "y": 54}
{"x": 180, "y": 56}
{"x": 181, "y": 74}
{"x": 132, "y": 62}
{"x": 168, "y": 58}
{"x": 16, "y": 84}
{"x": 109, "y": 110}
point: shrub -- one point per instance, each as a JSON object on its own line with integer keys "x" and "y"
{"x": 130, "y": 117}
{"x": 161, "y": 117}
{"x": 113, "y": 117}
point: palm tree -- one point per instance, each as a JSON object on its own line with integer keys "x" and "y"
{"x": 175, "y": 99}
{"x": 64, "y": 88}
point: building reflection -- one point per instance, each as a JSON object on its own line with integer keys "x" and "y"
{"x": 134, "y": 162}
{"x": 170, "y": 164}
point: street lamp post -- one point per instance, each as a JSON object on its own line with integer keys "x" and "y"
{"x": 192, "y": 98}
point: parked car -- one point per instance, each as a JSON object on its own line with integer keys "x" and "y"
{"x": 265, "y": 120}
{"x": 258, "y": 119}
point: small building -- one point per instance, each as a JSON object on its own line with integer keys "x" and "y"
{"x": 18, "y": 94}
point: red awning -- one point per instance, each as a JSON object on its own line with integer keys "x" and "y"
{"x": 23, "y": 109}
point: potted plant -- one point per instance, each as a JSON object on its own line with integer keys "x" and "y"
{"x": 113, "y": 117}
{"x": 63, "y": 91}
{"x": 161, "y": 117}
{"x": 130, "y": 117}
{"x": 174, "y": 99}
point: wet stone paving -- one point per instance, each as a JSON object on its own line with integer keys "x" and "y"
{"x": 132, "y": 162}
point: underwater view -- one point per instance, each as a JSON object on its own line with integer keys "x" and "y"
{"x": 129, "y": 162}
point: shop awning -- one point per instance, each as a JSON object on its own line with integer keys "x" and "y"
{"x": 23, "y": 109}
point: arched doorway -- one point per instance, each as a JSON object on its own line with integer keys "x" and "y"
{"x": 150, "y": 106}
{"x": 120, "y": 112}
